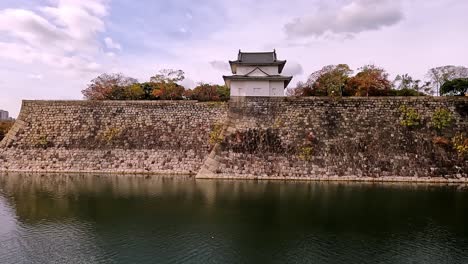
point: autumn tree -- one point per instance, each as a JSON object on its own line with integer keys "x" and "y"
{"x": 107, "y": 87}
{"x": 332, "y": 80}
{"x": 439, "y": 75}
{"x": 328, "y": 81}
{"x": 301, "y": 89}
{"x": 457, "y": 87}
{"x": 209, "y": 92}
{"x": 164, "y": 85}
{"x": 369, "y": 81}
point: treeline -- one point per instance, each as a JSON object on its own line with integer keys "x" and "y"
{"x": 331, "y": 80}
{"x": 4, "y": 127}
{"x": 371, "y": 80}
{"x": 163, "y": 86}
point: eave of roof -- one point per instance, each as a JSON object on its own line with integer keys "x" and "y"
{"x": 286, "y": 79}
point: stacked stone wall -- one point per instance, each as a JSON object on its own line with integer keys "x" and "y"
{"x": 348, "y": 138}
{"x": 255, "y": 138}
{"x": 111, "y": 136}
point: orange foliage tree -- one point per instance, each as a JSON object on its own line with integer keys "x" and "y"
{"x": 369, "y": 81}
{"x": 107, "y": 87}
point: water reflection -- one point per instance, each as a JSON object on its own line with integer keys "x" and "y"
{"x": 142, "y": 219}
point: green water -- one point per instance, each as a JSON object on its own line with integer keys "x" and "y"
{"x": 128, "y": 219}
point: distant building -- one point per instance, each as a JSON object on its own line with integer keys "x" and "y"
{"x": 4, "y": 115}
{"x": 257, "y": 74}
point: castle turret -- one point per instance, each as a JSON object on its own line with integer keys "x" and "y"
{"x": 257, "y": 74}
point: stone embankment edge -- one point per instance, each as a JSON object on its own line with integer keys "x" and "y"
{"x": 342, "y": 179}
{"x": 409, "y": 180}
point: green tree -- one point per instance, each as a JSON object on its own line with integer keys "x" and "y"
{"x": 457, "y": 87}
{"x": 439, "y": 75}
{"x": 134, "y": 92}
{"x": 332, "y": 80}
{"x": 328, "y": 81}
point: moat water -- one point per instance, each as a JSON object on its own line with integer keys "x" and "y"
{"x": 128, "y": 219}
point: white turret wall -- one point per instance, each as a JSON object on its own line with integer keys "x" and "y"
{"x": 257, "y": 88}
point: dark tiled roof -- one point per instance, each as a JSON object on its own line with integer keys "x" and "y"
{"x": 257, "y": 57}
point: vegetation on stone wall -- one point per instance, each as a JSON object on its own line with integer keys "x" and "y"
{"x": 460, "y": 144}
{"x": 42, "y": 141}
{"x": 110, "y": 134}
{"x": 442, "y": 118}
{"x": 409, "y": 117}
{"x": 216, "y": 134}
{"x": 306, "y": 152}
{"x": 5, "y": 126}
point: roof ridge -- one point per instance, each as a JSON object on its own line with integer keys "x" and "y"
{"x": 247, "y": 74}
{"x": 256, "y": 52}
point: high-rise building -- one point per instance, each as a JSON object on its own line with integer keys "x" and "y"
{"x": 4, "y": 115}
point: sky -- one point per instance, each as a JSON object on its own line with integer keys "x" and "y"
{"x": 51, "y": 49}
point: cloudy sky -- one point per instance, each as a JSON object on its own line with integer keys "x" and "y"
{"x": 50, "y": 49}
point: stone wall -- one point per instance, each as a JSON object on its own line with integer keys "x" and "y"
{"x": 111, "y": 136}
{"x": 272, "y": 138}
{"x": 347, "y": 138}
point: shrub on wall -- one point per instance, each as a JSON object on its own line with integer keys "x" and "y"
{"x": 460, "y": 144}
{"x": 43, "y": 142}
{"x": 110, "y": 134}
{"x": 442, "y": 118}
{"x": 216, "y": 134}
{"x": 409, "y": 117}
{"x": 306, "y": 152}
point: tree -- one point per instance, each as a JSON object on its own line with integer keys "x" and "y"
{"x": 224, "y": 92}
{"x": 301, "y": 89}
{"x": 457, "y": 87}
{"x": 209, "y": 92}
{"x": 168, "y": 75}
{"x": 407, "y": 86}
{"x": 369, "y": 81}
{"x": 134, "y": 92}
{"x": 164, "y": 85}
{"x": 168, "y": 91}
{"x": 107, "y": 87}
{"x": 439, "y": 75}
{"x": 330, "y": 80}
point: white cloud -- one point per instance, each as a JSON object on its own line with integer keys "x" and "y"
{"x": 292, "y": 68}
{"x": 188, "y": 83}
{"x": 351, "y": 18}
{"x": 36, "y": 76}
{"x": 220, "y": 65}
{"x": 110, "y": 44}
{"x": 63, "y": 36}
